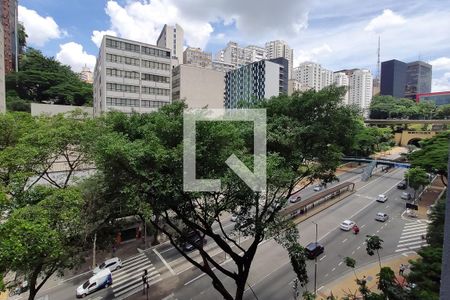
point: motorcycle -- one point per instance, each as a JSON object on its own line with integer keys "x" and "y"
{"x": 355, "y": 229}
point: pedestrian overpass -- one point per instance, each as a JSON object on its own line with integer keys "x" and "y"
{"x": 373, "y": 163}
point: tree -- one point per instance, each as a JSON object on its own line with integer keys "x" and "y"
{"x": 443, "y": 111}
{"x": 416, "y": 178}
{"x": 351, "y": 263}
{"x": 22, "y": 38}
{"x": 141, "y": 158}
{"x": 39, "y": 240}
{"x": 386, "y": 107}
{"x": 374, "y": 243}
{"x": 433, "y": 156}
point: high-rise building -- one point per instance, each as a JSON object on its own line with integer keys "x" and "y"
{"x": 235, "y": 55}
{"x": 418, "y": 79}
{"x": 341, "y": 79}
{"x": 197, "y": 57}
{"x": 326, "y": 78}
{"x": 222, "y": 66}
{"x": 256, "y": 81}
{"x": 313, "y": 75}
{"x": 131, "y": 76}
{"x": 2, "y": 73}
{"x": 360, "y": 89}
{"x": 296, "y": 86}
{"x": 393, "y": 78}
{"x": 172, "y": 37}
{"x": 10, "y": 38}
{"x": 256, "y": 53}
{"x": 198, "y": 87}
{"x": 280, "y": 48}
{"x": 86, "y": 75}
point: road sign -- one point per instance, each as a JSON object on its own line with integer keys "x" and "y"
{"x": 412, "y": 206}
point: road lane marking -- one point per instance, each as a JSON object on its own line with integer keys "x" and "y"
{"x": 416, "y": 226}
{"x": 326, "y": 275}
{"x": 411, "y": 243}
{"x": 320, "y": 288}
{"x": 387, "y": 206}
{"x": 332, "y": 270}
{"x": 416, "y": 231}
{"x": 411, "y": 235}
{"x": 362, "y": 226}
{"x": 353, "y": 252}
{"x": 410, "y": 239}
{"x": 344, "y": 240}
{"x": 359, "y": 247}
{"x": 164, "y": 262}
{"x": 378, "y": 231}
{"x": 322, "y": 257}
{"x": 340, "y": 263}
{"x": 262, "y": 279}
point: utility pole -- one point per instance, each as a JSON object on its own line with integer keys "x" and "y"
{"x": 445, "y": 271}
{"x": 315, "y": 262}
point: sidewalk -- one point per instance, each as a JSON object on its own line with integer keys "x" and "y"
{"x": 347, "y": 283}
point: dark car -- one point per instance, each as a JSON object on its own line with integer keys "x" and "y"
{"x": 313, "y": 250}
{"x": 193, "y": 239}
{"x": 402, "y": 185}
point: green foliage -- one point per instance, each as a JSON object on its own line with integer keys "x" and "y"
{"x": 45, "y": 79}
{"x": 386, "y": 107}
{"x": 374, "y": 244}
{"x": 416, "y": 178}
{"x": 443, "y": 111}
{"x": 369, "y": 140}
{"x": 435, "y": 236}
{"x": 433, "y": 155}
{"x": 14, "y": 103}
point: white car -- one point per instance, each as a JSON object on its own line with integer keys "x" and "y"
{"x": 317, "y": 188}
{"x": 406, "y": 196}
{"x": 233, "y": 218}
{"x": 295, "y": 199}
{"x": 102, "y": 279}
{"x": 347, "y": 225}
{"x": 111, "y": 264}
{"x": 382, "y": 198}
{"x": 382, "y": 217}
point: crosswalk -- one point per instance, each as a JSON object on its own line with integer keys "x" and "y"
{"x": 412, "y": 237}
{"x": 129, "y": 278}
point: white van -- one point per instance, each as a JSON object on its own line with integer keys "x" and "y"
{"x": 100, "y": 280}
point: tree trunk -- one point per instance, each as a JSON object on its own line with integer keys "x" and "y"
{"x": 156, "y": 231}
{"x": 32, "y": 283}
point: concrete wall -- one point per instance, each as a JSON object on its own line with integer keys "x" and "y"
{"x": 200, "y": 87}
{"x": 272, "y": 80}
{"x": 53, "y": 109}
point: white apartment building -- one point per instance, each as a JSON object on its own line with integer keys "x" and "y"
{"x": 240, "y": 56}
{"x": 222, "y": 66}
{"x": 296, "y": 86}
{"x": 131, "y": 76}
{"x": 341, "y": 79}
{"x": 313, "y": 75}
{"x": 256, "y": 53}
{"x": 360, "y": 91}
{"x": 278, "y": 48}
{"x": 197, "y": 57}
{"x": 172, "y": 37}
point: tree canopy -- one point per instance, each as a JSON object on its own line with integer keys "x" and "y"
{"x": 387, "y": 107}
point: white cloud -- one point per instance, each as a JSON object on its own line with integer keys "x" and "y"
{"x": 39, "y": 29}
{"x": 441, "y": 63}
{"x": 97, "y": 36}
{"x": 442, "y": 83}
{"x": 143, "y": 20}
{"x": 315, "y": 54}
{"x": 72, "y": 54}
{"x": 386, "y": 20}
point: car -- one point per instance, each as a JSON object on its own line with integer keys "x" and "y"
{"x": 295, "y": 199}
{"x": 102, "y": 279}
{"x": 193, "y": 239}
{"x": 402, "y": 185}
{"x": 406, "y": 196}
{"x": 382, "y": 198}
{"x": 313, "y": 250}
{"x": 233, "y": 217}
{"x": 347, "y": 225}
{"x": 112, "y": 264}
{"x": 382, "y": 217}
{"x": 318, "y": 188}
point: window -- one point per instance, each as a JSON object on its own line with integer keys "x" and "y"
{"x": 151, "y": 103}
{"x": 122, "y": 102}
{"x": 155, "y": 91}
{"x": 155, "y": 78}
{"x": 117, "y": 87}
{"x": 155, "y": 65}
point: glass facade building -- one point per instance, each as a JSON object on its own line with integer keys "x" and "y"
{"x": 438, "y": 98}
{"x": 393, "y": 79}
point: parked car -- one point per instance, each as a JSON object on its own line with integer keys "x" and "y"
{"x": 98, "y": 281}
{"x": 318, "y": 188}
{"x": 406, "y": 196}
{"x": 382, "y": 217}
{"x": 382, "y": 198}
{"x": 193, "y": 239}
{"x": 347, "y": 225}
{"x": 112, "y": 264}
{"x": 295, "y": 199}
{"x": 313, "y": 250}
{"x": 233, "y": 217}
{"x": 402, "y": 185}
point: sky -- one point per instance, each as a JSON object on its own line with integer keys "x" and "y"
{"x": 338, "y": 34}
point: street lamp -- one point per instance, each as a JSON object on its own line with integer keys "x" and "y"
{"x": 315, "y": 261}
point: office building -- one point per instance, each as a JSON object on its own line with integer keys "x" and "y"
{"x": 172, "y": 37}
{"x": 438, "y": 98}
{"x": 275, "y": 49}
{"x": 131, "y": 76}
{"x": 198, "y": 87}
{"x": 2, "y": 73}
{"x": 197, "y": 57}
{"x": 342, "y": 79}
{"x": 9, "y": 21}
{"x": 256, "y": 53}
{"x": 360, "y": 89}
{"x": 86, "y": 75}
{"x": 296, "y": 86}
{"x": 235, "y": 55}
{"x": 418, "y": 79}
{"x": 393, "y": 78}
{"x": 256, "y": 81}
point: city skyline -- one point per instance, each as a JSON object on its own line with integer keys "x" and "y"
{"x": 313, "y": 30}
